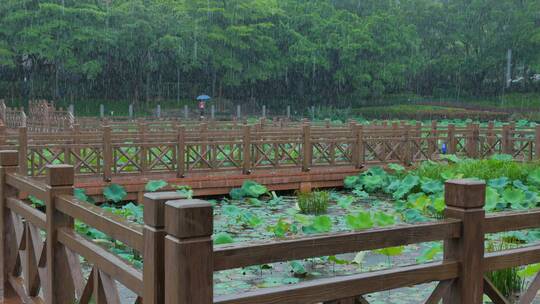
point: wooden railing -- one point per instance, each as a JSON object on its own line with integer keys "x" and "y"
{"x": 12, "y": 117}
{"x": 183, "y": 150}
{"x": 42, "y": 252}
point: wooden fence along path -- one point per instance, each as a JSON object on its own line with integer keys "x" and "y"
{"x": 41, "y": 250}
{"x": 183, "y": 149}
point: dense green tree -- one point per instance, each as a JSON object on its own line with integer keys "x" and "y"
{"x": 311, "y": 51}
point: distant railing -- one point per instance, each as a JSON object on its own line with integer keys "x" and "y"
{"x": 180, "y": 150}
{"x": 42, "y": 252}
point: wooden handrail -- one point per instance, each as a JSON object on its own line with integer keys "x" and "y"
{"x": 246, "y": 254}
{"x": 27, "y": 185}
{"x": 512, "y": 221}
{"x": 115, "y": 226}
{"x": 346, "y": 286}
{"x": 31, "y": 214}
{"x": 125, "y": 273}
{"x": 511, "y": 258}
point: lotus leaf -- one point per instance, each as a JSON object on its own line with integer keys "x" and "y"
{"x": 114, "y": 192}
{"x": 360, "y": 221}
{"x": 155, "y": 185}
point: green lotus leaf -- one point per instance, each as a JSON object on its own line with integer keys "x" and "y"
{"x": 534, "y": 177}
{"x": 492, "y": 198}
{"x": 396, "y": 168}
{"x": 382, "y": 219}
{"x": 155, "y": 185}
{"x": 498, "y": 183}
{"x": 391, "y": 251}
{"x": 223, "y": 238}
{"x": 297, "y": 268}
{"x": 502, "y": 157}
{"x": 432, "y": 186}
{"x": 360, "y": 221}
{"x": 320, "y": 224}
{"x": 253, "y": 189}
{"x": 429, "y": 253}
{"x": 237, "y": 193}
{"x": 515, "y": 197}
{"x": 115, "y": 193}
{"x": 350, "y": 182}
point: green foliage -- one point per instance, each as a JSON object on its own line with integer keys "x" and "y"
{"x": 391, "y": 251}
{"x": 129, "y": 211}
{"x": 359, "y": 221}
{"x": 298, "y": 269}
{"x": 318, "y": 224}
{"x": 429, "y": 253}
{"x": 315, "y": 202}
{"x": 248, "y": 189}
{"x": 36, "y": 203}
{"x": 155, "y": 185}
{"x": 114, "y": 192}
{"x": 509, "y": 281}
{"x": 223, "y": 238}
{"x": 281, "y": 228}
{"x": 257, "y": 48}
{"x": 80, "y": 194}
{"x": 186, "y": 191}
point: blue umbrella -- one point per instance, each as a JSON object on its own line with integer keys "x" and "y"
{"x": 203, "y": 97}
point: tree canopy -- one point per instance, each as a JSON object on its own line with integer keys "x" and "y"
{"x": 314, "y": 50}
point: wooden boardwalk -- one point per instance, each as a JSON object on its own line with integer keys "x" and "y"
{"x": 220, "y": 183}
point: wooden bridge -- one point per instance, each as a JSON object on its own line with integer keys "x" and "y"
{"x": 213, "y": 157}
{"x": 41, "y": 251}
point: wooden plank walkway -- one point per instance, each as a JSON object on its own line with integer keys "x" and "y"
{"x": 219, "y": 183}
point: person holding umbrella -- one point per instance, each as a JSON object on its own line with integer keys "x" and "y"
{"x": 202, "y": 104}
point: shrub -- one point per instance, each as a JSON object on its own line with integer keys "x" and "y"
{"x": 315, "y": 202}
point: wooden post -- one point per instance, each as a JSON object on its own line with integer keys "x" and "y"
{"x": 257, "y": 143}
{"x": 23, "y": 151}
{"x": 306, "y": 147}
{"x": 189, "y": 252}
{"x": 181, "y": 152}
{"x": 76, "y": 142}
{"x": 506, "y": 140}
{"x": 491, "y": 139}
{"x": 465, "y": 201}
{"x": 8, "y": 243}
{"x": 407, "y": 146}
{"x": 205, "y": 154}
{"x": 2, "y": 133}
{"x": 472, "y": 140}
{"x": 358, "y": 156}
{"x": 154, "y": 240}
{"x": 246, "y": 154}
{"x": 107, "y": 154}
{"x": 451, "y": 140}
{"x": 537, "y": 143}
{"x": 417, "y": 146}
{"x": 510, "y": 138}
{"x": 433, "y": 141}
{"x": 59, "y": 282}
{"x": 142, "y": 142}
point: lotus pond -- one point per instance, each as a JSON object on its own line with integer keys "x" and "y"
{"x": 372, "y": 199}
